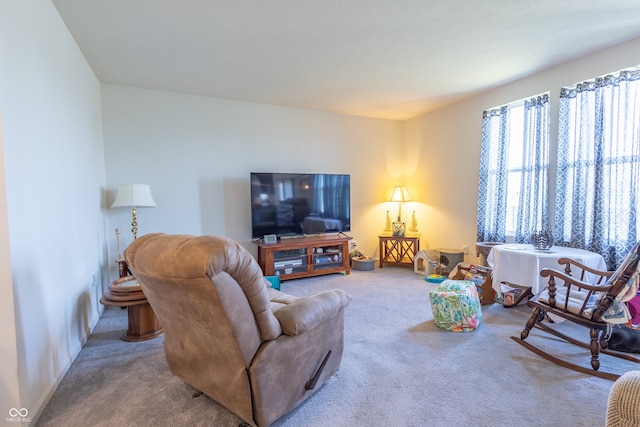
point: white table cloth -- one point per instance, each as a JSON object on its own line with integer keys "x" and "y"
{"x": 521, "y": 264}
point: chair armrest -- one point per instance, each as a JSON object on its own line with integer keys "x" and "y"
{"x": 306, "y": 313}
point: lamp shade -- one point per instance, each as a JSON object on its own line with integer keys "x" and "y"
{"x": 400, "y": 194}
{"x": 133, "y": 196}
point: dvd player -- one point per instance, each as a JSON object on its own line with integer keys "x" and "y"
{"x": 287, "y": 263}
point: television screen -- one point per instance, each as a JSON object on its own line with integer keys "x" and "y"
{"x": 291, "y": 204}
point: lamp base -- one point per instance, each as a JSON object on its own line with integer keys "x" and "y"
{"x": 134, "y": 223}
{"x": 398, "y": 228}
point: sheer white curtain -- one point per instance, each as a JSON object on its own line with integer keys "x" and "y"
{"x": 533, "y": 207}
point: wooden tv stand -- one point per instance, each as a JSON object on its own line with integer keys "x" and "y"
{"x": 307, "y": 256}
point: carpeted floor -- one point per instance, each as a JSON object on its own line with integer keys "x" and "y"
{"x": 398, "y": 369}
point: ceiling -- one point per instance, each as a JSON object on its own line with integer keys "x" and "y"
{"x": 393, "y": 59}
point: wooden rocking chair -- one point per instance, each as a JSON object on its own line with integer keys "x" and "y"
{"x": 586, "y": 304}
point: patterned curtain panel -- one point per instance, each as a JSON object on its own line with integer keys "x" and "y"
{"x": 495, "y": 167}
{"x": 599, "y": 166}
{"x": 492, "y": 187}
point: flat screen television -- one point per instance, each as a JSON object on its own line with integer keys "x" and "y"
{"x": 295, "y": 204}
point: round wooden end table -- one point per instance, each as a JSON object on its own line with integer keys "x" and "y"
{"x": 143, "y": 322}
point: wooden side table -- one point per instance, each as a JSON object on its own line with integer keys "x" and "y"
{"x": 143, "y": 322}
{"x": 398, "y": 250}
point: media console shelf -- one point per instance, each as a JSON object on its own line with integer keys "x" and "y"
{"x": 307, "y": 256}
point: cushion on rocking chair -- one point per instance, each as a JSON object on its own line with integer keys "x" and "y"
{"x": 615, "y": 313}
{"x": 575, "y": 304}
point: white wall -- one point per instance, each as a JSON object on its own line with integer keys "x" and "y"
{"x": 443, "y": 147}
{"x": 9, "y": 382}
{"x": 54, "y": 171}
{"x": 197, "y": 153}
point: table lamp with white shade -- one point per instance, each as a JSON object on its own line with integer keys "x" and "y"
{"x": 134, "y": 196}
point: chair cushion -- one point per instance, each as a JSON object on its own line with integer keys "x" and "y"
{"x": 576, "y": 301}
{"x": 616, "y": 313}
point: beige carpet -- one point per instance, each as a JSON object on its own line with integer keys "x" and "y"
{"x": 398, "y": 369}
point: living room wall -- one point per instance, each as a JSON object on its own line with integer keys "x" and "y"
{"x": 52, "y": 231}
{"x": 443, "y": 147}
{"x": 196, "y": 153}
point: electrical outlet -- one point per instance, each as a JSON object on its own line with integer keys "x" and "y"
{"x": 465, "y": 249}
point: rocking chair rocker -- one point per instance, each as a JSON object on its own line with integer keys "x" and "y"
{"x": 594, "y": 305}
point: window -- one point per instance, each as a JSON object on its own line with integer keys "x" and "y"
{"x": 597, "y": 197}
{"x": 285, "y": 189}
{"x": 514, "y": 163}
{"x": 598, "y": 179}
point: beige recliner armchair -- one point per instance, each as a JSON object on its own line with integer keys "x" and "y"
{"x": 253, "y": 349}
